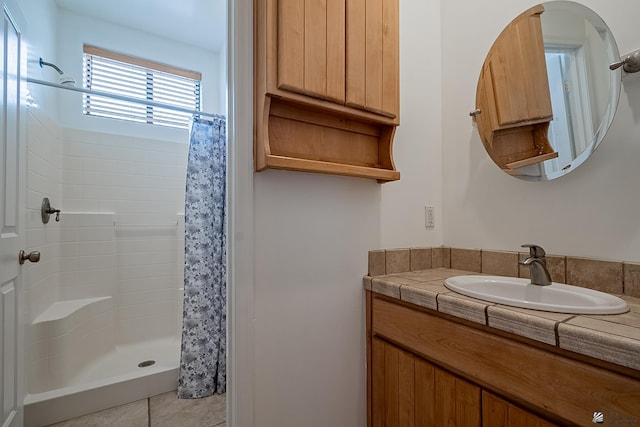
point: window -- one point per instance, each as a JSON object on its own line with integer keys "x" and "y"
{"x": 153, "y": 83}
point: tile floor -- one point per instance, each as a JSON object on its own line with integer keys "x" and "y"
{"x": 164, "y": 410}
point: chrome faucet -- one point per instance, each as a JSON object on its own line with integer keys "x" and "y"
{"x": 537, "y": 264}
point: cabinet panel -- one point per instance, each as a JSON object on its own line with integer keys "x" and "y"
{"x": 393, "y": 390}
{"x": 497, "y": 412}
{"x": 356, "y": 53}
{"x": 291, "y": 52}
{"x": 390, "y": 57}
{"x": 372, "y": 55}
{"x": 311, "y": 47}
{"x": 457, "y": 401}
{"x": 425, "y": 386}
{"x": 406, "y": 391}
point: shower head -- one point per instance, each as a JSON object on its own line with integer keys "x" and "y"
{"x": 67, "y": 80}
{"x": 64, "y": 79}
{"x": 49, "y": 64}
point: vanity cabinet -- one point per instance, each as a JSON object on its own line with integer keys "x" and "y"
{"x": 327, "y": 86}
{"x": 426, "y": 368}
{"x": 513, "y": 95}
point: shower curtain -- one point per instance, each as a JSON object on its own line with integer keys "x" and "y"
{"x": 203, "y": 350}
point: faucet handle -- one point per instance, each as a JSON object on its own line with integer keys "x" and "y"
{"x": 535, "y": 250}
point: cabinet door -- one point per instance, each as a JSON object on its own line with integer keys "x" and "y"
{"x": 409, "y": 391}
{"x": 373, "y": 56}
{"x": 517, "y": 73}
{"x": 497, "y": 412}
{"x": 311, "y": 48}
{"x": 403, "y": 388}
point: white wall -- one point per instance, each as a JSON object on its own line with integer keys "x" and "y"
{"x": 312, "y": 235}
{"x": 591, "y": 212}
{"x": 42, "y": 18}
{"x": 417, "y": 148}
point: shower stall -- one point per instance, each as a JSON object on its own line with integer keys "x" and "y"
{"x": 104, "y": 304}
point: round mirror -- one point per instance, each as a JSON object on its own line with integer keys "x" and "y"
{"x": 546, "y": 95}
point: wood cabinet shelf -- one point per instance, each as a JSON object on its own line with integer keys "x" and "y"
{"x": 326, "y": 86}
{"x": 299, "y": 138}
{"x": 532, "y": 160}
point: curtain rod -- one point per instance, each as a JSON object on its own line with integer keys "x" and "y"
{"x": 121, "y": 97}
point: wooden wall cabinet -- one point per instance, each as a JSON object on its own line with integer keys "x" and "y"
{"x": 429, "y": 369}
{"x": 327, "y": 86}
{"x": 513, "y": 95}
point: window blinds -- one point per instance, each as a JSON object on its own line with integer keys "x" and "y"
{"x": 129, "y": 76}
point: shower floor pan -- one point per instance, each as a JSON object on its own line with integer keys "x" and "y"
{"x": 114, "y": 379}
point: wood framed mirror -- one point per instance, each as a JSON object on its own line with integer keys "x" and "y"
{"x": 546, "y": 97}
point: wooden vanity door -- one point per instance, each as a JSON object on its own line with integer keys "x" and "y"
{"x": 311, "y": 48}
{"x": 409, "y": 391}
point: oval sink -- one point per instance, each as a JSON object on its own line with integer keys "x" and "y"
{"x": 557, "y": 297}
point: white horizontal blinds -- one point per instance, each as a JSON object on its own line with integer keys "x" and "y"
{"x": 123, "y": 75}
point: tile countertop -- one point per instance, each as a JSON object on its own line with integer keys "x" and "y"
{"x": 614, "y": 337}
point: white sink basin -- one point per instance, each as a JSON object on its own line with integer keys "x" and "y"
{"x": 557, "y": 297}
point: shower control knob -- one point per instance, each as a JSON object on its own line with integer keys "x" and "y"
{"x": 33, "y": 256}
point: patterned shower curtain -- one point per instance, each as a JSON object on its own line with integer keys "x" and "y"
{"x": 203, "y": 352}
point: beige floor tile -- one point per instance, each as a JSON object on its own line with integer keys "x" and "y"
{"x": 168, "y": 411}
{"x": 131, "y": 415}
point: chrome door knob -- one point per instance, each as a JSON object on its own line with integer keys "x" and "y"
{"x": 33, "y": 256}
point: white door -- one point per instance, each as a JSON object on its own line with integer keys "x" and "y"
{"x": 12, "y": 166}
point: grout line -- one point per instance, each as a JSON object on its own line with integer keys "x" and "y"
{"x": 486, "y": 315}
{"x": 149, "y": 411}
{"x": 555, "y": 329}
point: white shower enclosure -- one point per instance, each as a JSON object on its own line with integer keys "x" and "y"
{"x": 103, "y": 306}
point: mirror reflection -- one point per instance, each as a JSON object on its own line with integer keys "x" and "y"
{"x": 546, "y": 95}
